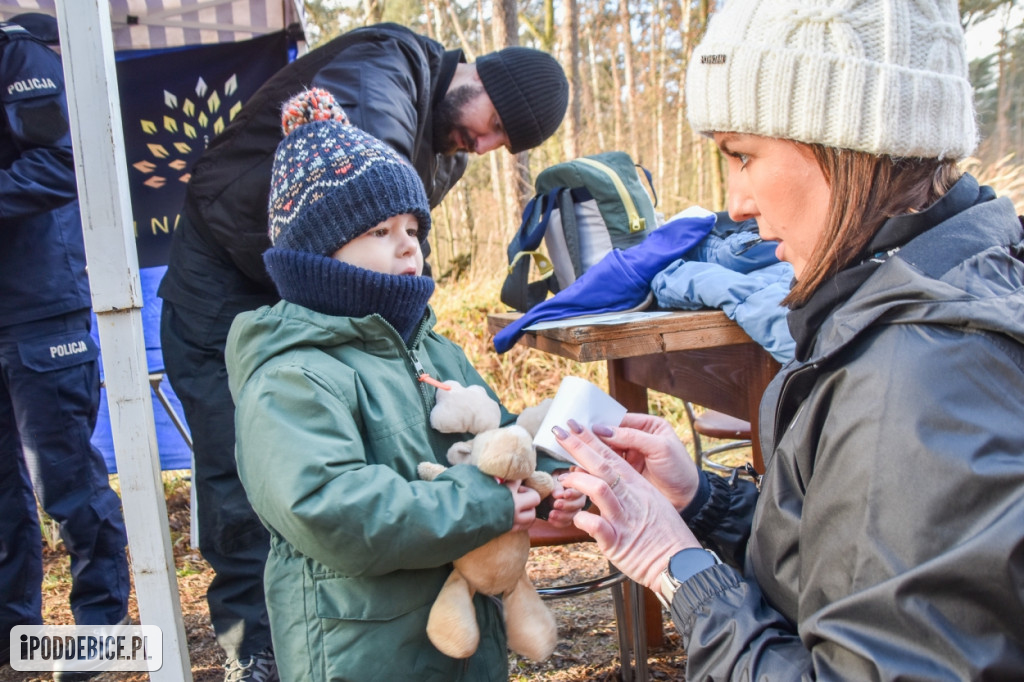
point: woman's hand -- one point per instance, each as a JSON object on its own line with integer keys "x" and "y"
{"x": 567, "y": 502}
{"x": 638, "y": 529}
{"x": 525, "y": 501}
{"x": 650, "y": 445}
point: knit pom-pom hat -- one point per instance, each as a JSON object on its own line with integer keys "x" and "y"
{"x": 331, "y": 181}
{"x": 887, "y": 77}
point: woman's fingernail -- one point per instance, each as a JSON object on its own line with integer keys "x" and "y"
{"x": 559, "y": 432}
{"x": 575, "y": 426}
{"x": 602, "y": 431}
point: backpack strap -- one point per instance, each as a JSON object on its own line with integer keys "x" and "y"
{"x": 517, "y": 291}
{"x": 650, "y": 183}
{"x": 571, "y": 230}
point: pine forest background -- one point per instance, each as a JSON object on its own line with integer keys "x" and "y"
{"x": 626, "y": 61}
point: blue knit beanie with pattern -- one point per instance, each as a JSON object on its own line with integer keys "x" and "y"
{"x": 331, "y": 182}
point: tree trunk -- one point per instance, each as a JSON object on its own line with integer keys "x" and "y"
{"x": 515, "y": 169}
{"x": 571, "y": 41}
{"x": 373, "y": 11}
{"x": 660, "y": 92}
{"x": 616, "y": 101}
{"x": 626, "y": 45}
{"x": 594, "y": 113}
{"x": 1001, "y": 136}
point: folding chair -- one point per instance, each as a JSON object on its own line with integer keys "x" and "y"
{"x": 720, "y": 426}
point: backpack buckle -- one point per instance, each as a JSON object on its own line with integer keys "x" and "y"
{"x": 542, "y": 262}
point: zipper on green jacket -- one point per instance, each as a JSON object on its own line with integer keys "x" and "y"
{"x": 422, "y": 386}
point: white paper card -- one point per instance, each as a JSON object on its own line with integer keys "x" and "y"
{"x": 583, "y": 401}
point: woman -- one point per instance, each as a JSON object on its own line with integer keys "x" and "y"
{"x": 887, "y": 538}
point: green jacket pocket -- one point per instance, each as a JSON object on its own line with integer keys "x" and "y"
{"x": 377, "y": 598}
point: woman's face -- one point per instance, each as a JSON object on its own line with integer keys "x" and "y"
{"x": 778, "y": 183}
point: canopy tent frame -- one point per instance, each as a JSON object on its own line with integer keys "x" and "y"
{"x": 87, "y": 42}
{"x": 154, "y": 24}
{"x": 101, "y": 167}
{"x": 117, "y": 300}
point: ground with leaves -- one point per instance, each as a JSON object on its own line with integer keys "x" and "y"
{"x": 587, "y": 649}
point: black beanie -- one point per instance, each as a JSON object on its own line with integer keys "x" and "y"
{"x": 529, "y": 91}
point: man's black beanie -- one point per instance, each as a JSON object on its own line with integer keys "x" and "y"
{"x": 529, "y": 91}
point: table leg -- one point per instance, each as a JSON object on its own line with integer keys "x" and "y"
{"x": 648, "y": 629}
{"x": 763, "y": 369}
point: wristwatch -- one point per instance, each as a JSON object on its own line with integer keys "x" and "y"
{"x": 683, "y": 565}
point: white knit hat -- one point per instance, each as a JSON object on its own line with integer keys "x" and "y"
{"x": 887, "y": 77}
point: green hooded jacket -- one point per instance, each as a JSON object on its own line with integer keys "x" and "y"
{"x": 331, "y": 424}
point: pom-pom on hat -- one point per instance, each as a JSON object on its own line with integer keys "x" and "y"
{"x": 529, "y": 91}
{"x": 887, "y": 77}
{"x": 331, "y": 181}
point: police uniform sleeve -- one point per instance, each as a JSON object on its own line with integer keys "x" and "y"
{"x": 38, "y": 172}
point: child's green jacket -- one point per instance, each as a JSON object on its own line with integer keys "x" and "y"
{"x": 331, "y": 423}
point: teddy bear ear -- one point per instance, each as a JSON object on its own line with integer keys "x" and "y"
{"x": 532, "y": 417}
{"x": 460, "y": 453}
{"x": 464, "y": 409}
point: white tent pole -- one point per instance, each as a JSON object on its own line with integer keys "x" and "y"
{"x": 93, "y": 104}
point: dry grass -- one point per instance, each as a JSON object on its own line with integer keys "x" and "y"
{"x": 1004, "y": 176}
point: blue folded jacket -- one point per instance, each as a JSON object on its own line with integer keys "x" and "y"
{"x": 753, "y": 299}
{"x": 619, "y": 281}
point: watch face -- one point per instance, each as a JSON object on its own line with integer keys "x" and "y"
{"x": 689, "y": 562}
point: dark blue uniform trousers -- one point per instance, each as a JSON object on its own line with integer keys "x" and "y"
{"x": 49, "y": 396}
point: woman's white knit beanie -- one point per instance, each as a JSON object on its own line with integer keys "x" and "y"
{"x": 887, "y": 77}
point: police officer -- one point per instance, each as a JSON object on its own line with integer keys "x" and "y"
{"x": 49, "y": 372}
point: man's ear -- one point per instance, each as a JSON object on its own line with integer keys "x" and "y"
{"x": 465, "y": 74}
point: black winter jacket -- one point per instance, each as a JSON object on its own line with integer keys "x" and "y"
{"x": 887, "y": 541}
{"x": 385, "y": 77}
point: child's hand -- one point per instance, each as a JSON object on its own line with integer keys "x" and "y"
{"x": 525, "y": 501}
{"x": 567, "y": 502}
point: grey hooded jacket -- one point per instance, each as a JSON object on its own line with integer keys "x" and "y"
{"x": 887, "y": 540}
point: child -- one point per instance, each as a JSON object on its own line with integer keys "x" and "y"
{"x": 332, "y": 420}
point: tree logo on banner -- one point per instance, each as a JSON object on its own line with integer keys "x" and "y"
{"x": 174, "y": 103}
{"x": 193, "y": 123}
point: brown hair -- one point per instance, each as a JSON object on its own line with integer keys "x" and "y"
{"x": 866, "y": 190}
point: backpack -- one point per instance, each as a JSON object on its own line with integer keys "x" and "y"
{"x": 582, "y": 209}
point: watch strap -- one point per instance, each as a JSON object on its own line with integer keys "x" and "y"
{"x": 682, "y": 566}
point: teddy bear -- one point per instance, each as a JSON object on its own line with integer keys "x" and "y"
{"x": 498, "y": 567}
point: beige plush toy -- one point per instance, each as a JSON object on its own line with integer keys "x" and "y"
{"x": 498, "y": 567}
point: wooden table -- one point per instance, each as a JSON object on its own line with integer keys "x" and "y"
{"x": 699, "y": 356}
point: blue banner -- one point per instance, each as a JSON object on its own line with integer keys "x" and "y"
{"x": 173, "y": 102}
